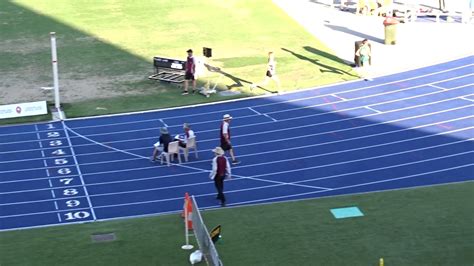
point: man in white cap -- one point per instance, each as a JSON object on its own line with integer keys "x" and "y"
{"x": 162, "y": 144}
{"x": 225, "y": 137}
{"x": 220, "y": 171}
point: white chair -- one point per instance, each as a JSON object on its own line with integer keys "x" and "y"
{"x": 191, "y": 144}
{"x": 173, "y": 148}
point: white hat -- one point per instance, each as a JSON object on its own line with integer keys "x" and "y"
{"x": 218, "y": 151}
{"x": 163, "y": 130}
{"x": 227, "y": 116}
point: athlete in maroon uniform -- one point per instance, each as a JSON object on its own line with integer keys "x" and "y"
{"x": 220, "y": 171}
{"x": 190, "y": 68}
{"x": 225, "y": 137}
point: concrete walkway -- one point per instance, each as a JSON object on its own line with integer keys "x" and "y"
{"x": 418, "y": 44}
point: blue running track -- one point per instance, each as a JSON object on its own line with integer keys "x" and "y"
{"x": 405, "y": 130}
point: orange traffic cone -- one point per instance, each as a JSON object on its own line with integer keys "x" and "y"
{"x": 186, "y": 199}
{"x": 188, "y": 211}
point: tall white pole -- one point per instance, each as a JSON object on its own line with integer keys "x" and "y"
{"x": 57, "y": 102}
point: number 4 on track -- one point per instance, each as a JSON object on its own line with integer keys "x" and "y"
{"x": 58, "y": 152}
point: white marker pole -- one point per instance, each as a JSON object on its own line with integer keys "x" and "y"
{"x": 57, "y": 102}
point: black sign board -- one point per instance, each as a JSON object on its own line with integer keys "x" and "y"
{"x": 161, "y": 62}
{"x": 215, "y": 234}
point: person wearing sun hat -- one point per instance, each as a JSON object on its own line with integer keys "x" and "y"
{"x": 225, "y": 137}
{"x": 220, "y": 171}
{"x": 162, "y": 144}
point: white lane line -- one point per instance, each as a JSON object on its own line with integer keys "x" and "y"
{"x": 46, "y": 169}
{"x": 125, "y": 170}
{"x": 368, "y": 96}
{"x": 278, "y": 140}
{"x": 179, "y": 165}
{"x": 27, "y": 202}
{"x": 313, "y": 156}
{"x": 240, "y": 108}
{"x": 297, "y": 147}
{"x": 355, "y": 160}
{"x": 373, "y": 109}
{"x": 232, "y": 205}
{"x": 163, "y": 122}
{"x": 309, "y": 180}
{"x": 308, "y": 146}
{"x": 297, "y": 183}
{"x": 322, "y": 144}
{"x": 318, "y": 114}
{"x": 363, "y": 171}
{"x": 312, "y": 106}
{"x": 339, "y": 97}
{"x": 358, "y": 185}
{"x": 258, "y": 113}
{"x": 71, "y": 147}
{"x": 289, "y": 119}
{"x": 274, "y": 120}
{"x": 311, "y": 97}
{"x": 36, "y": 213}
{"x": 36, "y": 189}
{"x": 292, "y": 195}
{"x": 253, "y": 110}
{"x": 438, "y": 87}
{"x": 467, "y": 99}
{"x": 294, "y": 118}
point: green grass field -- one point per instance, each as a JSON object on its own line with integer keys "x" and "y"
{"x": 109, "y": 45}
{"x": 425, "y": 226}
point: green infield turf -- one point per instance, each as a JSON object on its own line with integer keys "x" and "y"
{"x": 108, "y": 45}
{"x": 424, "y": 226}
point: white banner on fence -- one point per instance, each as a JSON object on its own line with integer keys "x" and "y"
{"x": 23, "y": 109}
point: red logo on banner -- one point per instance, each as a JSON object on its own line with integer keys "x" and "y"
{"x": 18, "y": 109}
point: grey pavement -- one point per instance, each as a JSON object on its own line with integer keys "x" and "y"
{"x": 418, "y": 43}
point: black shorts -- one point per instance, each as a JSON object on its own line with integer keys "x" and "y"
{"x": 269, "y": 74}
{"x": 189, "y": 76}
{"x": 226, "y": 146}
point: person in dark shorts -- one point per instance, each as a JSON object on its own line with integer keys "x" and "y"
{"x": 226, "y": 145}
{"x": 220, "y": 171}
{"x": 162, "y": 144}
{"x": 190, "y": 70}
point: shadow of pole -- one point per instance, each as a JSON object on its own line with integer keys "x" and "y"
{"x": 355, "y": 33}
{"x": 237, "y": 81}
{"x": 323, "y": 67}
